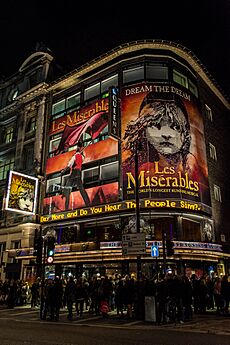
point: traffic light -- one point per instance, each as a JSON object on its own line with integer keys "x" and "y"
{"x": 50, "y": 249}
{"x": 169, "y": 248}
{"x": 38, "y": 245}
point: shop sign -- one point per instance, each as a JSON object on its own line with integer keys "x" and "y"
{"x": 110, "y": 245}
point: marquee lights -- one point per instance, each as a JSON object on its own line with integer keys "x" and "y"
{"x": 124, "y": 205}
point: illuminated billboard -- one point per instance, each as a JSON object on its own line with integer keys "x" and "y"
{"x": 78, "y": 170}
{"x": 21, "y": 193}
{"x": 163, "y": 125}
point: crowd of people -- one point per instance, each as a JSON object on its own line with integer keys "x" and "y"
{"x": 177, "y": 298}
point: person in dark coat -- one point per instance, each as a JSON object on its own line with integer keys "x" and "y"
{"x": 119, "y": 297}
{"x": 70, "y": 297}
{"x": 58, "y": 295}
{"x": 80, "y": 296}
{"x": 225, "y": 294}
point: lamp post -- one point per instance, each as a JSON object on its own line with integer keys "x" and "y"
{"x": 137, "y": 206}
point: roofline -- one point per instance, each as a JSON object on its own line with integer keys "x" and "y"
{"x": 71, "y": 78}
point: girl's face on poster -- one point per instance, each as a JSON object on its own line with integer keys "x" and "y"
{"x": 25, "y": 201}
{"x": 167, "y": 136}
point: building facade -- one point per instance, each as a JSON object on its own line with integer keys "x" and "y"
{"x": 135, "y": 152}
{"x": 22, "y": 121}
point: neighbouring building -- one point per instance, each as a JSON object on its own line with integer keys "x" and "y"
{"x": 23, "y": 100}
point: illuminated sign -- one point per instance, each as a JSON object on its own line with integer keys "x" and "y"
{"x": 188, "y": 245}
{"x": 84, "y": 139}
{"x": 197, "y": 245}
{"x": 111, "y": 245}
{"x": 113, "y": 114}
{"x": 78, "y": 116}
{"x": 164, "y": 125}
{"x": 21, "y": 193}
{"x": 124, "y": 205}
{"x": 50, "y": 260}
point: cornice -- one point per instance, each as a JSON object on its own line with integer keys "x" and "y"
{"x": 25, "y": 97}
{"x": 74, "y": 77}
{"x": 31, "y": 93}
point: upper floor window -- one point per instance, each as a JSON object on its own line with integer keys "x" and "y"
{"x": 109, "y": 171}
{"x": 133, "y": 73}
{"x": 100, "y": 88}
{"x": 208, "y": 112}
{"x": 53, "y": 185}
{"x": 73, "y": 102}
{"x": 107, "y": 83}
{"x": 15, "y": 244}
{"x": 92, "y": 91}
{"x": 212, "y": 151}
{"x": 31, "y": 124}
{"x": 9, "y": 135}
{"x": 192, "y": 87}
{"x": 105, "y": 172}
{"x": 66, "y": 105}
{"x": 58, "y": 107}
{"x": 217, "y": 193}
{"x": 156, "y": 71}
{"x": 13, "y": 94}
{"x": 2, "y": 249}
{"x": 53, "y": 144}
{"x": 28, "y": 157}
{"x": 5, "y": 166}
{"x": 91, "y": 175}
{"x": 180, "y": 78}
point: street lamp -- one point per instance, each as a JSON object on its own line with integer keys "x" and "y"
{"x": 137, "y": 145}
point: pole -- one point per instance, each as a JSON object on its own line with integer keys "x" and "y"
{"x": 43, "y": 281}
{"x": 164, "y": 251}
{"x": 157, "y": 269}
{"x": 137, "y": 208}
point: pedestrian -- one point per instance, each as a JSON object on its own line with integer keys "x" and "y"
{"x": 70, "y": 297}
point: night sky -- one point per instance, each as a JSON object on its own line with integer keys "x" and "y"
{"x": 79, "y": 31}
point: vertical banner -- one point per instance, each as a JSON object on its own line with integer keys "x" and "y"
{"x": 164, "y": 124}
{"x": 113, "y": 113}
{"x": 21, "y": 193}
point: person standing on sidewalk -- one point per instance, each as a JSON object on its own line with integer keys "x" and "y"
{"x": 70, "y": 297}
{"x": 217, "y": 294}
{"x": 225, "y": 294}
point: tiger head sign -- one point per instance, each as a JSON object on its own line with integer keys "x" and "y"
{"x": 21, "y": 193}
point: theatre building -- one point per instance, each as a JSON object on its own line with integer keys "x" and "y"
{"x": 135, "y": 160}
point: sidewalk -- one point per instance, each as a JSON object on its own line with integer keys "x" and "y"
{"x": 209, "y": 322}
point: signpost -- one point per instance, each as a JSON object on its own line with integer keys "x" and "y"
{"x": 155, "y": 254}
{"x": 133, "y": 244}
{"x": 155, "y": 251}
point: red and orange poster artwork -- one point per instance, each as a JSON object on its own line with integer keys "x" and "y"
{"x": 163, "y": 125}
{"x": 83, "y": 143}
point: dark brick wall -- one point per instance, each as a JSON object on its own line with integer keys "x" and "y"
{"x": 217, "y": 132}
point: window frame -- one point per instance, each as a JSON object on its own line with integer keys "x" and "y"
{"x": 130, "y": 69}
{"x": 208, "y": 112}
{"x": 6, "y": 167}
{"x": 217, "y": 193}
{"x": 181, "y": 76}
{"x": 9, "y": 135}
{"x": 212, "y": 152}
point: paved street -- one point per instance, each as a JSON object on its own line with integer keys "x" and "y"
{"x": 210, "y": 322}
{"x": 22, "y": 325}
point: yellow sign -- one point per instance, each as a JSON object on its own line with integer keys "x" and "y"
{"x": 125, "y": 205}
